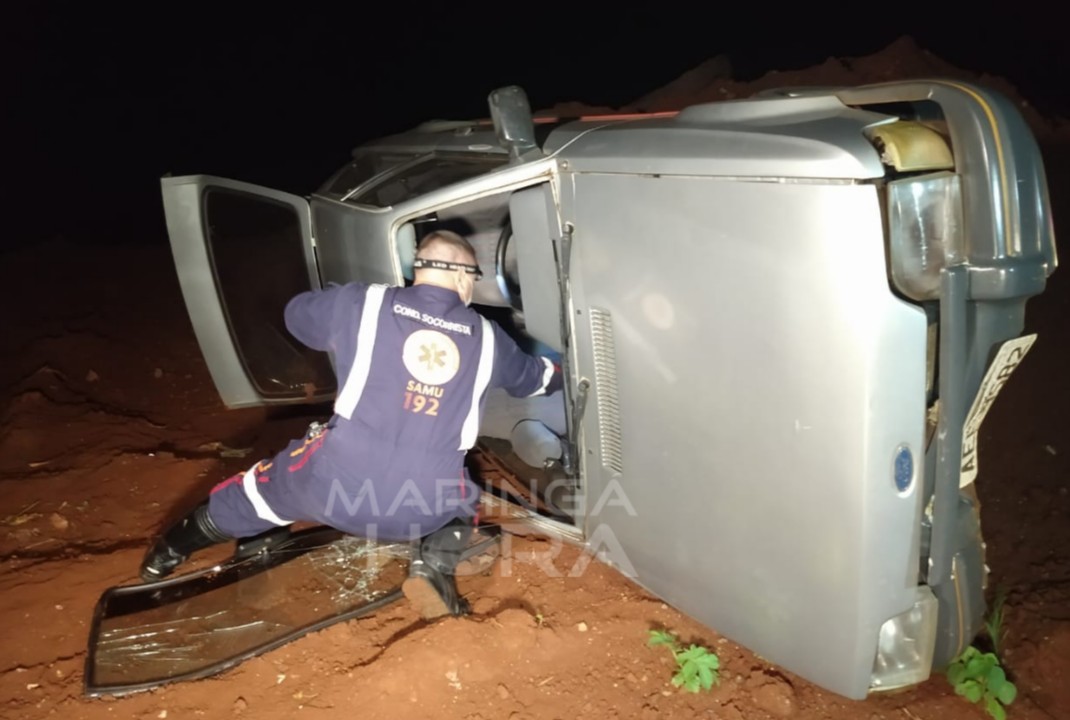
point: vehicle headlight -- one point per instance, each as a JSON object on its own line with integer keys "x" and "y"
{"x": 906, "y": 645}
{"x": 925, "y": 229}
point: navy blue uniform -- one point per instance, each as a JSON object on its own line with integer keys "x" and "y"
{"x": 414, "y": 366}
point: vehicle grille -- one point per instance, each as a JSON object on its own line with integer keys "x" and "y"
{"x": 605, "y": 374}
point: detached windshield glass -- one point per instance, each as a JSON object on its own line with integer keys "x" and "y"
{"x": 195, "y": 628}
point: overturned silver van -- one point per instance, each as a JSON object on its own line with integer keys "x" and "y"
{"x": 782, "y": 320}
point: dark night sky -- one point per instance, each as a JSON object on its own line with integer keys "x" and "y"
{"x": 98, "y": 106}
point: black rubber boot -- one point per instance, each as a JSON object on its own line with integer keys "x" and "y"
{"x": 432, "y": 586}
{"x": 190, "y": 534}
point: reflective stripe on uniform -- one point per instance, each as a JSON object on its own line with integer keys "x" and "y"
{"x": 547, "y": 376}
{"x": 252, "y": 492}
{"x": 362, "y": 361}
{"x": 486, "y": 365}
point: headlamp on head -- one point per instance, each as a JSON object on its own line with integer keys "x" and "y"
{"x": 443, "y": 265}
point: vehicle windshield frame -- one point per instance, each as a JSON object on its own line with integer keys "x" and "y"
{"x": 487, "y": 162}
{"x": 384, "y": 175}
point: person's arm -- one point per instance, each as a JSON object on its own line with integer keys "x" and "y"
{"x": 314, "y": 316}
{"x": 521, "y": 374}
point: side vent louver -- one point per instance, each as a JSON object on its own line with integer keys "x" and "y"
{"x": 605, "y": 375}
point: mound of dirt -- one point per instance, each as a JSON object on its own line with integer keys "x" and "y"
{"x": 903, "y": 59}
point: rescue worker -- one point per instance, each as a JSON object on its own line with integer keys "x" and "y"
{"x": 414, "y": 366}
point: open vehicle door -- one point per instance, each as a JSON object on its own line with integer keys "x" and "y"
{"x": 241, "y": 252}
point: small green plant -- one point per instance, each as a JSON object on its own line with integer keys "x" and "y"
{"x": 994, "y": 624}
{"x": 978, "y": 676}
{"x": 696, "y": 666}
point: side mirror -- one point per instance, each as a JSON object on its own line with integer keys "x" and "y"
{"x": 514, "y": 123}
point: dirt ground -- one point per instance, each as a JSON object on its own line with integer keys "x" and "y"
{"x": 109, "y": 425}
